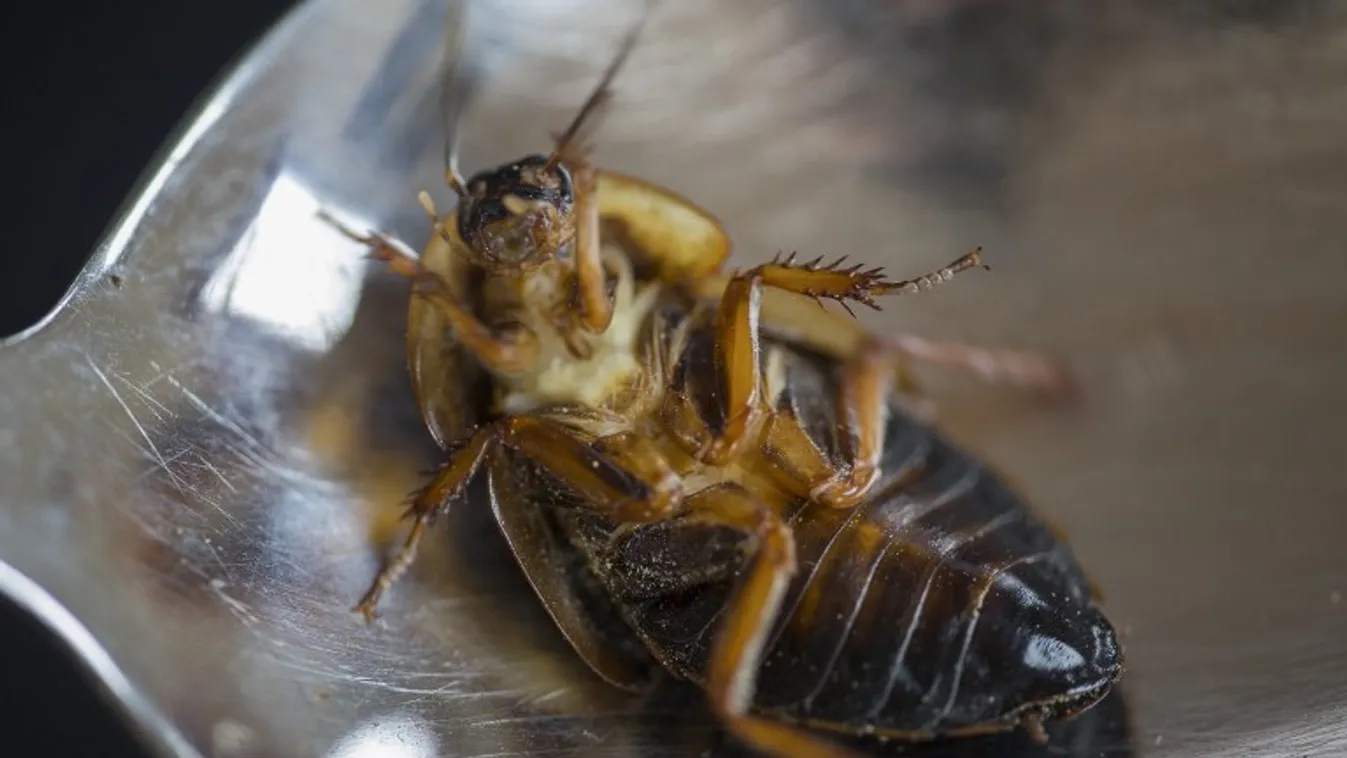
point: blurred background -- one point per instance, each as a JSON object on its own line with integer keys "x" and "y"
{"x": 92, "y": 90}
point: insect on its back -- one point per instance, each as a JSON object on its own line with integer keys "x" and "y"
{"x": 699, "y": 472}
{"x": 938, "y": 605}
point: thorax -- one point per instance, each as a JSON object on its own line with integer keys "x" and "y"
{"x": 615, "y": 372}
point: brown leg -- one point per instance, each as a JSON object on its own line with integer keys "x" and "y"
{"x": 1016, "y": 367}
{"x": 617, "y": 283}
{"x": 738, "y": 355}
{"x": 736, "y": 654}
{"x": 869, "y": 381}
{"x": 862, "y": 410}
{"x": 596, "y": 309}
{"x": 738, "y": 362}
{"x": 622, "y": 476}
{"x": 425, "y": 507}
{"x": 872, "y": 376}
{"x": 506, "y": 350}
{"x": 1021, "y": 368}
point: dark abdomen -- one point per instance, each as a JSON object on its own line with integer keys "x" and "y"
{"x": 938, "y": 604}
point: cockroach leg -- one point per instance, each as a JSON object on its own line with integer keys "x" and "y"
{"x": 390, "y": 573}
{"x": 425, "y": 507}
{"x": 868, "y": 381}
{"x": 869, "y": 378}
{"x": 738, "y": 365}
{"x": 622, "y": 476}
{"x": 752, "y": 610}
{"x": 1020, "y": 368}
{"x": 1015, "y": 367}
{"x": 928, "y": 281}
{"x": 737, "y": 350}
{"x": 862, "y": 413}
{"x": 596, "y": 309}
{"x": 507, "y": 349}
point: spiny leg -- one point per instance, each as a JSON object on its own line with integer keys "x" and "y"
{"x": 856, "y": 283}
{"x": 737, "y": 349}
{"x": 751, "y": 612}
{"x": 622, "y": 476}
{"x": 868, "y": 382}
{"x": 1021, "y": 368}
{"x": 1018, "y": 367}
{"x": 870, "y": 379}
{"x": 425, "y": 507}
{"x": 507, "y": 350}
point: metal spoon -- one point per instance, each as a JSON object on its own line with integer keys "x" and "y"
{"x": 200, "y": 449}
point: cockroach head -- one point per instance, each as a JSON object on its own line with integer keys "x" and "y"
{"x": 518, "y": 215}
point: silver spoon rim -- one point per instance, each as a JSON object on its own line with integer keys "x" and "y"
{"x": 153, "y": 729}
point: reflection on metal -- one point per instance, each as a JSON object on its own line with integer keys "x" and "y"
{"x": 196, "y": 496}
{"x": 393, "y": 737}
{"x": 291, "y": 273}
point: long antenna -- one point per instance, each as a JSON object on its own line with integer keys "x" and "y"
{"x": 602, "y": 92}
{"x": 456, "y": 89}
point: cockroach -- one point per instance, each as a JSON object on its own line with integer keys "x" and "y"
{"x": 700, "y": 473}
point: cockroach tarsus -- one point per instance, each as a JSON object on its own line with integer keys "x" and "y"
{"x": 700, "y": 473}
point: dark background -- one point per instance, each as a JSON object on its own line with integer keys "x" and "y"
{"x": 91, "y": 91}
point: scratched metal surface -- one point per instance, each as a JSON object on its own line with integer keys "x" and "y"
{"x": 200, "y": 450}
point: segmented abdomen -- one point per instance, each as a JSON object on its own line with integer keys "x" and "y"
{"x": 937, "y": 604}
{"x": 923, "y": 608}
